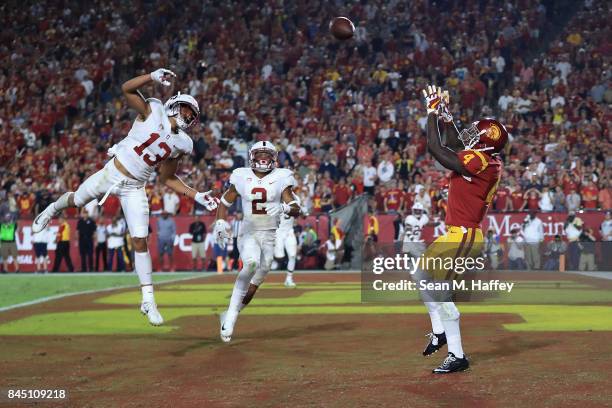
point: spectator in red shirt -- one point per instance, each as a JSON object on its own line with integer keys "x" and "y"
{"x": 157, "y": 202}
{"x": 589, "y": 193}
{"x": 185, "y": 205}
{"x": 26, "y": 205}
{"x": 605, "y": 196}
{"x": 393, "y": 198}
{"x": 502, "y": 199}
{"x": 342, "y": 193}
{"x": 379, "y": 197}
{"x": 517, "y": 200}
{"x": 532, "y": 197}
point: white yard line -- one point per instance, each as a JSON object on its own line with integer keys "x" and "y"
{"x": 86, "y": 292}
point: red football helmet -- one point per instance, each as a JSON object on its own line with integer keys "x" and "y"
{"x": 485, "y": 134}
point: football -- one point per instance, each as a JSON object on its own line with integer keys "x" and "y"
{"x": 342, "y": 28}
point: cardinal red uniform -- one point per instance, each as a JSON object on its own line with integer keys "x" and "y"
{"x": 469, "y": 198}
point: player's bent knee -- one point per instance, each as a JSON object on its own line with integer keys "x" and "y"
{"x": 251, "y": 265}
{"x": 448, "y": 311}
{"x": 140, "y": 244}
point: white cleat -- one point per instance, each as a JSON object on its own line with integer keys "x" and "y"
{"x": 227, "y": 322}
{"x": 149, "y": 309}
{"x": 289, "y": 283}
{"x": 42, "y": 220}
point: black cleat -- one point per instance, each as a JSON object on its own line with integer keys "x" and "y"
{"x": 452, "y": 364}
{"x": 436, "y": 341}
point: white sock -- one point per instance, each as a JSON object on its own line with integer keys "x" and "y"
{"x": 434, "y": 316}
{"x": 144, "y": 268}
{"x": 291, "y": 264}
{"x": 453, "y": 337}
{"x": 62, "y": 202}
{"x": 241, "y": 288}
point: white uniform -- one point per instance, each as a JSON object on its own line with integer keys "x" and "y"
{"x": 147, "y": 144}
{"x": 258, "y": 231}
{"x": 413, "y": 228}
{"x": 285, "y": 238}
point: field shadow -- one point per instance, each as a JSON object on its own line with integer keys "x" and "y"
{"x": 290, "y": 332}
{"x": 284, "y": 333}
{"x": 511, "y": 346}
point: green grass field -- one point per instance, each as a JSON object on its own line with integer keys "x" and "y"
{"x": 15, "y": 289}
{"x": 113, "y": 313}
{"x": 317, "y": 345}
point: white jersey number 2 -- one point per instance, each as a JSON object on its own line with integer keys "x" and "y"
{"x": 255, "y": 209}
{"x": 149, "y": 159}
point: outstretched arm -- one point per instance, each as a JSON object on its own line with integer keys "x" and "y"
{"x": 451, "y": 136}
{"x": 290, "y": 199}
{"x": 168, "y": 177}
{"x": 135, "y": 99}
{"x": 229, "y": 197}
{"x": 443, "y": 154}
{"x": 222, "y": 231}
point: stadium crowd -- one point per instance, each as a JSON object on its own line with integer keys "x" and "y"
{"x": 346, "y": 116}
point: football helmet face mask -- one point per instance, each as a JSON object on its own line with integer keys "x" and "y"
{"x": 262, "y": 156}
{"x": 418, "y": 210}
{"x": 173, "y": 107}
{"x": 485, "y": 134}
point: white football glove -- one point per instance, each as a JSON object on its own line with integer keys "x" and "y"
{"x": 443, "y": 109}
{"x": 208, "y": 201}
{"x": 222, "y": 233}
{"x": 274, "y": 209}
{"x": 162, "y": 76}
{"x": 433, "y": 98}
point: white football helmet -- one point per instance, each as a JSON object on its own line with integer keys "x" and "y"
{"x": 418, "y": 210}
{"x": 172, "y": 107}
{"x": 263, "y": 163}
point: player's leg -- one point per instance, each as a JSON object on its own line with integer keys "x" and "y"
{"x": 136, "y": 210}
{"x": 250, "y": 252}
{"x": 291, "y": 249}
{"x": 94, "y": 186}
{"x": 266, "y": 242}
{"x": 456, "y": 360}
{"x": 470, "y": 247}
{"x": 437, "y": 337}
{"x": 279, "y": 250}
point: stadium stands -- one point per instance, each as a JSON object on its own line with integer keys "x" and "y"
{"x": 335, "y": 109}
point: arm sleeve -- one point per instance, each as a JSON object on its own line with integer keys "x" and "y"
{"x": 289, "y": 180}
{"x": 235, "y": 180}
{"x": 473, "y": 161}
{"x": 183, "y": 146}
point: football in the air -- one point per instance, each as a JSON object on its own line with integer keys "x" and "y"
{"x": 342, "y": 28}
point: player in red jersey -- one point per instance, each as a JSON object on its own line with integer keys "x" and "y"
{"x": 471, "y": 155}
